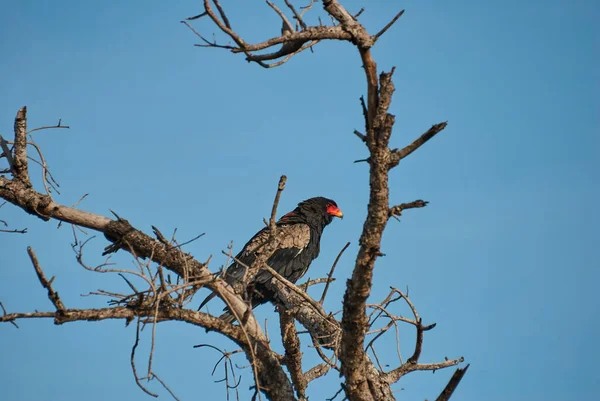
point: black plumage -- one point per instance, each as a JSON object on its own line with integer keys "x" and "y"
{"x": 297, "y": 242}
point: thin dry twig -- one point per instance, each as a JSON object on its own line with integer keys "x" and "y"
{"x": 4, "y": 314}
{"x": 19, "y": 168}
{"x": 295, "y": 289}
{"x": 47, "y": 177}
{"x": 138, "y": 380}
{"x": 399, "y": 154}
{"x": 7, "y": 152}
{"x": 287, "y": 24}
{"x": 452, "y": 384}
{"x": 47, "y": 284}
{"x": 385, "y": 28}
{"x": 227, "y": 367}
{"x": 397, "y": 210}
{"x": 272, "y": 221}
{"x": 155, "y": 376}
{"x": 331, "y": 273}
{"x": 14, "y": 231}
{"x": 59, "y": 125}
{"x": 297, "y": 16}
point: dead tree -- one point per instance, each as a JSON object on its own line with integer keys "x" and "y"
{"x": 346, "y": 345}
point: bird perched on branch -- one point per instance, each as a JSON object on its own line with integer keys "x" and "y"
{"x": 296, "y": 241}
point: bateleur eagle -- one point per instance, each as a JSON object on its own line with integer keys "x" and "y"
{"x": 297, "y": 245}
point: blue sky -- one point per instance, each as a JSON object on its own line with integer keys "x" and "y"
{"x": 504, "y": 259}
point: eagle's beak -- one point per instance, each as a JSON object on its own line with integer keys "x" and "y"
{"x": 335, "y": 211}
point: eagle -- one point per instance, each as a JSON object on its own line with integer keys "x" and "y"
{"x": 296, "y": 240}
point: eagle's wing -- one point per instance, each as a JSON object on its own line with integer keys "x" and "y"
{"x": 290, "y": 242}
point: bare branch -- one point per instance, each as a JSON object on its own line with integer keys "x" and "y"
{"x": 304, "y": 286}
{"x": 395, "y": 375}
{"x": 452, "y": 384}
{"x": 317, "y": 371}
{"x": 287, "y": 50}
{"x": 162, "y": 383}
{"x": 206, "y": 41}
{"x": 273, "y": 221}
{"x": 197, "y": 16}
{"x": 222, "y": 13}
{"x": 223, "y": 25}
{"x": 7, "y": 153}
{"x": 359, "y": 13}
{"x": 287, "y": 25}
{"x": 138, "y": 381}
{"x": 47, "y": 178}
{"x": 21, "y": 172}
{"x": 329, "y": 276}
{"x": 293, "y": 355}
{"x": 398, "y": 155}
{"x": 52, "y": 295}
{"x": 49, "y": 127}
{"x": 397, "y": 210}
{"x": 4, "y": 315}
{"x": 360, "y": 136}
{"x": 295, "y": 289}
{"x": 297, "y": 16}
{"x": 385, "y": 28}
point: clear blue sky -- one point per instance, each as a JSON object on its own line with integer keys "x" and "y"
{"x": 504, "y": 259}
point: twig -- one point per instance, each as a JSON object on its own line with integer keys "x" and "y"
{"x": 397, "y": 210}
{"x": 385, "y": 28}
{"x": 52, "y": 295}
{"x": 49, "y": 127}
{"x": 45, "y": 171}
{"x": 197, "y": 16}
{"x": 21, "y": 172}
{"x": 154, "y": 376}
{"x": 138, "y": 381}
{"x": 336, "y": 394}
{"x": 452, "y": 384}
{"x": 208, "y": 43}
{"x": 376, "y": 358}
{"x": 223, "y": 25}
{"x": 272, "y": 222}
{"x": 288, "y": 51}
{"x": 287, "y": 22}
{"x": 15, "y": 231}
{"x": 322, "y": 355}
{"x": 6, "y": 152}
{"x": 297, "y": 16}
{"x": 418, "y": 344}
{"x": 316, "y": 371}
{"x": 226, "y": 356}
{"x": 249, "y": 342}
{"x": 5, "y": 314}
{"x": 306, "y": 8}
{"x": 293, "y": 354}
{"x": 398, "y": 155}
{"x": 331, "y": 273}
{"x": 190, "y": 241}
{"x": 395, "y": 375}
{"x": 311, "y": 282}
{"x": 153, "y": 340}
{"x": 360, "y": 136}
{"x": 295, "y": 289}
{"x": 222, "y": 13}
{"x": 365, "y": 112}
